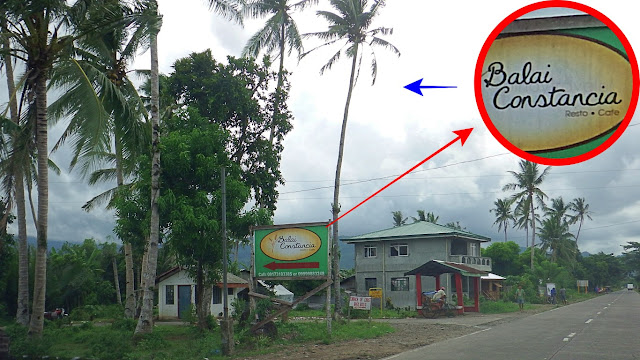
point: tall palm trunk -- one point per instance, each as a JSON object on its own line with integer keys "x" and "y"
{"x": 22, "y": 314}
{"x": 276, "y": 105}
{"x": 130, "y": 295}
{"x": 40, "y": 283}
{"x": 145, "y": 322}
{"x": 335, "y": 259}
{"x": 578, "y": 234}
{"x": 116, "y": 281}
{"x": 533, "y": 229}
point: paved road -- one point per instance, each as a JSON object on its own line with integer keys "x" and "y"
{"x": 606, "y": 327}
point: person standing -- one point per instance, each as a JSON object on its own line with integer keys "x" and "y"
{"x": 520, "y": 297}
{"x": 563, "y": 296}
{"x": 553, "y": 296}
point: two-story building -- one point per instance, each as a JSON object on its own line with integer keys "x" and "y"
{"x": 382, "y": 258}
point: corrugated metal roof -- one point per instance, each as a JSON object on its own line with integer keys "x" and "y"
{"x": 417, "y": 229}
{"x": 438, "y": 267}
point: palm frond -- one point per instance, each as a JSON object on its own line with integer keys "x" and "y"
{"x": 227, "y": 9}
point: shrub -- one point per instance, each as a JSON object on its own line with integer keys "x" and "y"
{"x": 124, "y": 324}
{"x": 304, "y": 306}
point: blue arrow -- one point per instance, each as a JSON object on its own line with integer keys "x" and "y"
{"x": 415, "y": 87}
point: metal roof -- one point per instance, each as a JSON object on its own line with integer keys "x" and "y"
{"x": 438, "y": 267}
{"x": 420, "y": 229}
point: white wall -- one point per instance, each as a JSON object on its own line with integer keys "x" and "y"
{"x": 170, "y": 311}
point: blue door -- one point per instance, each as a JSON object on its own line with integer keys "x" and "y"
{"x": 184, "y": 299}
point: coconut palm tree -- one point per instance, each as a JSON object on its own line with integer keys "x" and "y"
{"x": 44, "y": 33}
{"x": 527, "y": 185}
{"x": 145, "y": 321}
{"x": 558, "y": 208}
{"x": 581, "y": 210}
{"x": 16, "y": 182}
{"x": 279, "y": 32}
{"x": 421, "y": 216}
{"x": 398, "y": 219}
{"x": 104, "y": 58}
{"x": 503, "y": 214}
{"x": 351, "y": 24}
{"x": 555, "y": 236}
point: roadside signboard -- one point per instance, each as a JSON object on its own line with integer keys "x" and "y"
{"x": 360, "y": 302}
{"x": 298, "y": 251}
{"x": 584, "y": 283}
{"x": 375, "y": 293}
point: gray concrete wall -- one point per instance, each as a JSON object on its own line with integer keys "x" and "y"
{"x": 385, "y": 267}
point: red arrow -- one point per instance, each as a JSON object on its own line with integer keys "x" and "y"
{"x": 303, "y": 265}
{"x": 462, "y": 135}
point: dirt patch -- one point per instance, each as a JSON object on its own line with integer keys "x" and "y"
{"x": 409, "y": 335}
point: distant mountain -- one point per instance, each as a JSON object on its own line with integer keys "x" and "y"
{"x": 51, "y": 243}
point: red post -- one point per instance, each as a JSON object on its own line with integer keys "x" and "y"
{"x": 419, "y": 289}
{"x": 459, "y": 292}
{"x": 437, "y": 282}
{"x": 476, "y": 284}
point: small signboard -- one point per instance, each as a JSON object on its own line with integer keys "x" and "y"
{"x": 294, "y": 251}
{"x": 360, "y": 302}
{"x": 582, "y": 283}
{"x": 375, "y": 293}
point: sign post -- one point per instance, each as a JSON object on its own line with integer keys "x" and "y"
{"x": 291, "y": 252}
{"x": 376, "y": 293}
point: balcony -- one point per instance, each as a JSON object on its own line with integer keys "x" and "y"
{"x": 476, "y": 262}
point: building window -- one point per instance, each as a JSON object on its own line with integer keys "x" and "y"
{"x": 400, "y": 284}
{"x": 230, "y": 291}
{"x": 370, "y": 251}
{"x": 474, "y": 249}
{"x": 217, "y": 295}
{"x": 370, "y": 283}
{"x": 169, "y": 294}
{"x": 399, "y": 250}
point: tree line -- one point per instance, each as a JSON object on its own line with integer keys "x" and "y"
{"x": 116, "y": 130}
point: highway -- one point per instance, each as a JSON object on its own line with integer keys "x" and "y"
{"x": 606, "y": 327}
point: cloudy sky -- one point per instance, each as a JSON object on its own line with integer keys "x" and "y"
{"x": 391, "y": 129}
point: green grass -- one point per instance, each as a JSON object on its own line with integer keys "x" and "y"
{"x": 499, "y": 307}
{"x": 115, "y": 341}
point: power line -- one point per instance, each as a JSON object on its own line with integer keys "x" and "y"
{"x": 463, "y": 193}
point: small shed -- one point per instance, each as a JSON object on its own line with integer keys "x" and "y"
{"x": 436, "y": 268}
{"x": 176, "y": 291}
{"x": 491, "y": 285}
{"x": 279, "y": 291}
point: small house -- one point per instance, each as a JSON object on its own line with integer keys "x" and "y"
{"x": 177, "y": 291}
{"x": 491, "y": 285}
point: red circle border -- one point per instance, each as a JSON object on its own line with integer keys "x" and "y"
{"x": 634, "y": 71}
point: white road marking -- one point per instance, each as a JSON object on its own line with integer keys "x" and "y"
{"x": 572, "y": 335}
{"x": 565, "y": 339}
{"x": 605, "y": 307}
{"x": 588, "y": 321}
{"x": 599, "y": 312}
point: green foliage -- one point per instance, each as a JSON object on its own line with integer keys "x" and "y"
{"x": 398, "y": 218}
{"x": 601, "y": 270}
{"x": 125, "y": 324}
{"x": 92, "y": 312}
{"x": 504, "y": 256}
{"x": 21, "y": 344}
{"x": 81, "y": 274}
{"x": 238, "y": 98}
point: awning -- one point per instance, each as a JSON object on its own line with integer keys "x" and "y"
{"x": 439, "y": 267}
